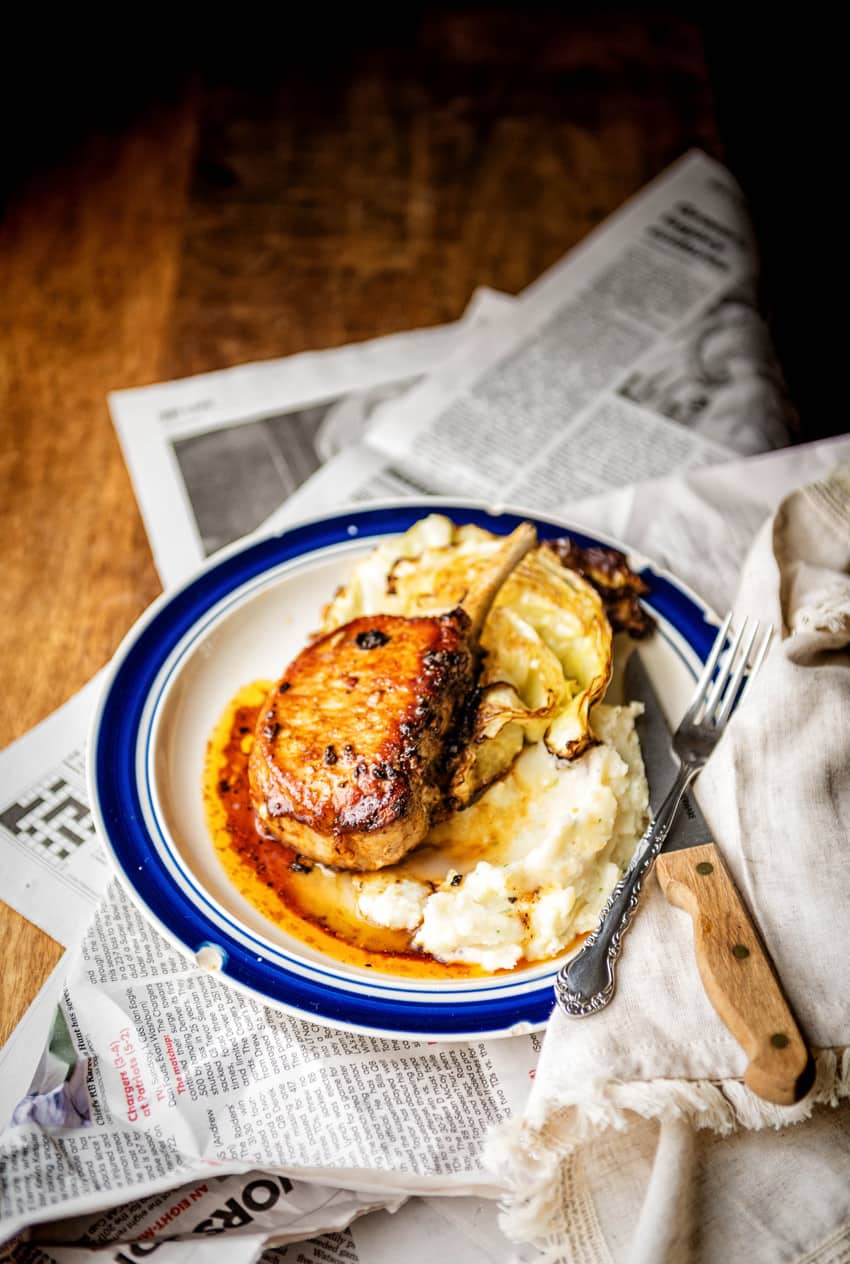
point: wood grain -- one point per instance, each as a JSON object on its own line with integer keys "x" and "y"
{"x": 272, "y": 204}
{"x": 87, "y": 267}
{"x": 27, "y": 955}
{"x": 737, "y": 973}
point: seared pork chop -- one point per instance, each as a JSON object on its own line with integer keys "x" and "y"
{"x": 356, "y": 744}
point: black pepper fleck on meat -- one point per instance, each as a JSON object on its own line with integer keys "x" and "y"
{"x": 298, "y": 866}
{"x": 283, "y": 686}
{"x": 223, "y": 787}
{"x": 457, "y": 879}
{"x": 371, "y": 639}
{"x": 330, "y": 755}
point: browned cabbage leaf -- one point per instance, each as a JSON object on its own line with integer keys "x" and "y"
{"x": 547, "y": 640}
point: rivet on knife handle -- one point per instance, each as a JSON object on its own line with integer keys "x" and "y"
{"x": 586, "y": 983}
{"x": 737, "y": 973}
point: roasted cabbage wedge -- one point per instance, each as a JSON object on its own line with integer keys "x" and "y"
{"x": 547, "y": 640}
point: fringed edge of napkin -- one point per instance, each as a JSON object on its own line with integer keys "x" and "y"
{"x": 532, "y": 1162}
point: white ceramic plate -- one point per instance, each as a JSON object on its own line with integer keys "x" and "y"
{"x": 243, "y": 617}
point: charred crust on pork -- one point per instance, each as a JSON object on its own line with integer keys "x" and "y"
{"x": 371, "y": 639}
{"x": 356, "y": 783}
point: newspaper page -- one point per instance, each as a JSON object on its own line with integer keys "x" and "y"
{"x": 642, "y": 352}
{"x": 211, "y": 456}
{"x": 158, "y": 1076}
{"x": 201, "y": 1219}
{"x": 457, "y": 1229}
{"x": 183, "y": 1223}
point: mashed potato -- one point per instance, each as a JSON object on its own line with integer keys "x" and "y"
{"x": 531, "y": 863}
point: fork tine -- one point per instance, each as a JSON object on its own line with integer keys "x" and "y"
{"x": 735, "y": 684}
{"x": 708, "y": 670}
{"x": 723, "y": 673}
{"x": 758, "y": 659}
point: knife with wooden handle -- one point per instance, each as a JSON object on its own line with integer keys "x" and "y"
{"x": 736, "y": 970}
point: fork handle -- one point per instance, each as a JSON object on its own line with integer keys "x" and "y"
{"x": 737, "y": 973}
{"x": 585, "y": 984}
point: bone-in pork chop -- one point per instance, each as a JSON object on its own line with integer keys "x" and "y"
{"x": 356, "y": 744}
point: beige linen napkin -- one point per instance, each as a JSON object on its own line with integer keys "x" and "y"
{"x": 607, "y": 1163}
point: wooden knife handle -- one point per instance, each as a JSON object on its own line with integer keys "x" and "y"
{"x": 737, "y": 974}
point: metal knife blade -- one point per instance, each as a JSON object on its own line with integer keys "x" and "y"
{"x": 660, "y": 763}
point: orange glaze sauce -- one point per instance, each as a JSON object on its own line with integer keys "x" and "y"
{"x": 311, "y": 903}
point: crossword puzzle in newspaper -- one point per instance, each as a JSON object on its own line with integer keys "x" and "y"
{"x": 52, "y": 817}
{"x": 53, "y": 863}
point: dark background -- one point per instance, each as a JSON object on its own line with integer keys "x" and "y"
{"x": 753, "y": 88}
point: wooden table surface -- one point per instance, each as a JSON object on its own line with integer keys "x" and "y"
{"x": 239, "y": 216}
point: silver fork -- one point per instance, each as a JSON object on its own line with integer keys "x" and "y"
{"x": 586, "y": 983}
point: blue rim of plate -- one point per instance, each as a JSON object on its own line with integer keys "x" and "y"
{"x": 144, "y": 856}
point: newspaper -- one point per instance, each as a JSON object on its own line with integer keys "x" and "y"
{"x": 252, "y": 1210}
{"x": 454, "y": 1228}
{"x": 177, "y": 1222}
{"x": 211, "y": 456}
{"x": 157, "y": 1076}
{"x": 642, "y": 352}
